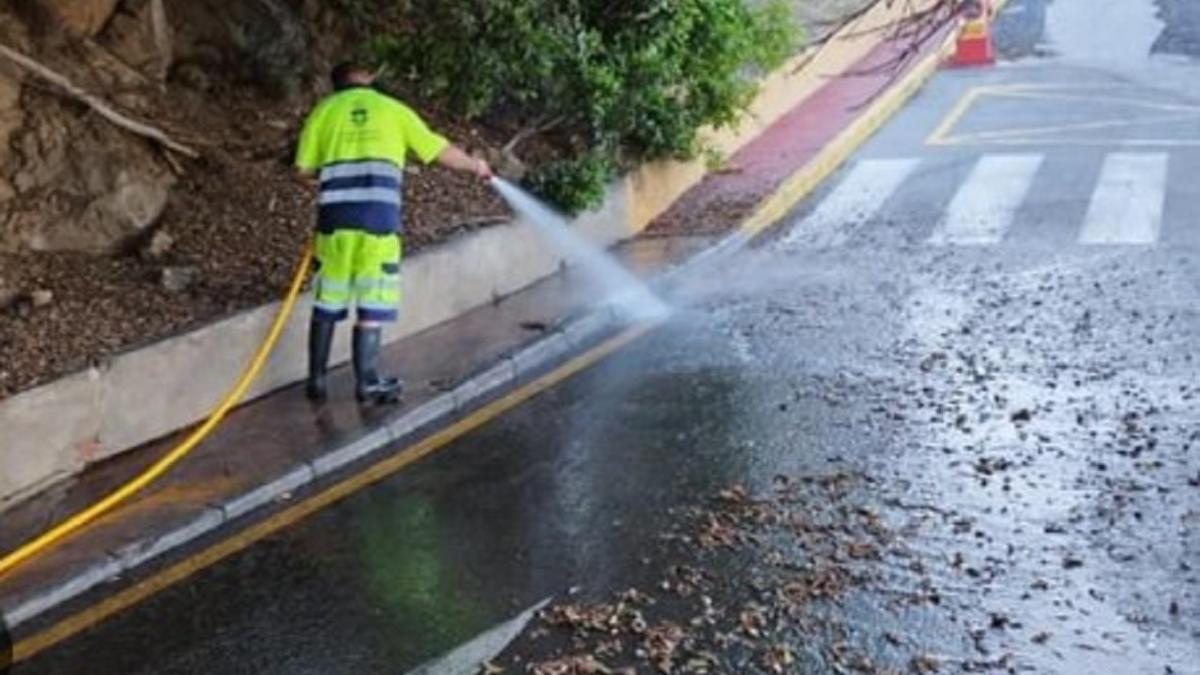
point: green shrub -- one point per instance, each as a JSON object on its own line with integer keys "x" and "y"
{"x": 627, "y": 80}
{"x": 574, "y": 185}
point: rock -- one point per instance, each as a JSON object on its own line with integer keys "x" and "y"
{"x": 128, "y": 210}
{"x": 11, "y": 119}
{"x": 131, "y": 36}
{"x": 158, "y": 246}
{"x": 84, "y": 17}
{"x": 10, "y": 100}
{"x": 24, "y": 304}
{"x": 124, "y": 207}
{"x": 179, "y": 279}
{"x": 70, "y": 181}
{"x": 41, "y": 298}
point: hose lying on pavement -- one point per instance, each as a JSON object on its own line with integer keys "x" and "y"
{"x": 58, "y": 533}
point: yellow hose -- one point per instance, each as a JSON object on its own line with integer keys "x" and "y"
{"x": 70, "y": 526}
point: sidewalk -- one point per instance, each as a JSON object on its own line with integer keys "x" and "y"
{"x": 277, "y": 448}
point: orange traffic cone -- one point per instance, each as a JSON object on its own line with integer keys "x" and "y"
{"x": 975, "y": 39}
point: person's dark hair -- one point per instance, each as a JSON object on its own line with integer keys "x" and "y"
{"x": 344, "y": 71}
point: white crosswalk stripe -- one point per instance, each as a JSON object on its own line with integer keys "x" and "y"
{"x": 1127, "y": 206}
{"x": 854, "y": 201}
{"x": 986, "y": 205}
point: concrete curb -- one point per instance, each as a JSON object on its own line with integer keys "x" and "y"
{"x": 569, "y": 338}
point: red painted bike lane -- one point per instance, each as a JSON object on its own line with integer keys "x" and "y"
{"x": 725, "y": 198}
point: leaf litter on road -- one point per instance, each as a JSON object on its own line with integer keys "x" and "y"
{"x": 753, "y": 580}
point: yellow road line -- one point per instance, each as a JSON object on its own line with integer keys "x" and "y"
{"x": 1037, "y": 134}
{"x": 940, "y": 135}
{"x": 1084, "y": 142}
{"x": 1018, "y": 91}
{"x": 85, "y": 619}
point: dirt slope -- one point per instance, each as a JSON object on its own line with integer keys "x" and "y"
{"x": 109, "y": 242}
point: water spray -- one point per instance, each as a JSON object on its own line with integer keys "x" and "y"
{"x": 620, "y": 287}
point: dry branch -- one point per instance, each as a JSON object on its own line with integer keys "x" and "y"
{"x": 163, "y": 39}
{"x": 96, "y": 103}
{"x": 915, "y": 25}
{"x": 540, "y": 126}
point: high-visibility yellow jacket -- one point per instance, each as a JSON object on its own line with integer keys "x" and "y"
{"x": 358, "y": 139}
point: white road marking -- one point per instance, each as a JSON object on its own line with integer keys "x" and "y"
{"x": 467, "y": 658}
{"x": 855, "y": 200}
{"x": 984, "y": 207}
{"x": 1127, "y": 206}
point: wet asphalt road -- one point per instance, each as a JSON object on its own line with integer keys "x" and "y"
{"x": 1007, "y": 423}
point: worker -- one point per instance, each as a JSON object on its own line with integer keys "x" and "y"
{"x": 355, "y": 144}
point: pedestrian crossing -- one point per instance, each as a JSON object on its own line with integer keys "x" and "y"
{"x": 1121, "y": 202}
{"x": 858, "y": 197}
{"x": 986, "y": 205}
{"x": 1127, "y": 206}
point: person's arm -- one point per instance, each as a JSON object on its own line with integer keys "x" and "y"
{"x": 432, "y": 147}
{"x": 454, "y": 157}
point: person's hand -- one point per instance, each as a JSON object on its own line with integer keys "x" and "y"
{"x": 483, "y": 170}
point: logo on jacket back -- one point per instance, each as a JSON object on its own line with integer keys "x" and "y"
{"x": 359, "y": 116}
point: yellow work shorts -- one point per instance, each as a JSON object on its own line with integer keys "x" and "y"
{"x": 361, "y": 269}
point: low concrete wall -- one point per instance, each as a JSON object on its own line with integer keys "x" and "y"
{"x": 52, "y": 432}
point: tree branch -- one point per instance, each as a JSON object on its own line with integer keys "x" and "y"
{"x": 163, "y": 40}
{"x": 912, "y": 22}
{"x": 97, "y": 104}
{"x": 532, "y": 130}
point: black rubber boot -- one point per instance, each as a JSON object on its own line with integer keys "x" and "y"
{"x": 320, "y": 340}
{"x": 370, "y": 387}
